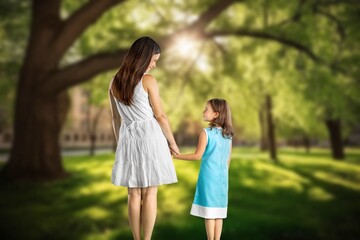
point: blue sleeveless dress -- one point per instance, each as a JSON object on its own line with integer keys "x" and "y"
{"x": 211, "y": 195}
{"x": 142, "y": 157}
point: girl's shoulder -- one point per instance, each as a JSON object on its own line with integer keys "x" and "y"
{"x": 210, "y": 131}
{"x": 213, "y": 129}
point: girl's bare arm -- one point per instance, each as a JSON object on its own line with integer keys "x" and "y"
{"x": 200, "y": 149}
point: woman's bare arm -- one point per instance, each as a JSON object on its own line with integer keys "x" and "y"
{"x": 151, "y": 87}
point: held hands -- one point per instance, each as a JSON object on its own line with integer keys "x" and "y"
{"x": 174, "y": 149}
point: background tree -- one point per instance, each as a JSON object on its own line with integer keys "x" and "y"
{"x": 97, "y": 105}
{"x": 41, "y": 98}
{"x": 61, "y": 54}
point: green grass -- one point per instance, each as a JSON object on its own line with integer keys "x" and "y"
{"x": 305, "y": 196}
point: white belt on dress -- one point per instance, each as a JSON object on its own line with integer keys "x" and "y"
{"x": 132, "y": 123}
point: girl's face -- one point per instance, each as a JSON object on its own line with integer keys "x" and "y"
{"x": 153, "y": 61}
{"x": 209, "y": 113}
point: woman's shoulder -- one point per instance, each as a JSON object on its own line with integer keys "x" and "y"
{"x": 148, "y": 78}
{"x": 148, "y": 81}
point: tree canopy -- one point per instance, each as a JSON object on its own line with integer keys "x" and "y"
{"x": 301, "y": 58}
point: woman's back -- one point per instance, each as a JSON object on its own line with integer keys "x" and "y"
{"x": 140, "y": 108}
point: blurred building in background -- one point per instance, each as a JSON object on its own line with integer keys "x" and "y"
{"x": 86, "y": 123}
{"x": 79, "y": 126}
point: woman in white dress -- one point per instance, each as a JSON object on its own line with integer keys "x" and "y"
{"x": 144, "y": 137}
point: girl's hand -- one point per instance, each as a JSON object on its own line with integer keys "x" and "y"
{"x": 174, "y": 149}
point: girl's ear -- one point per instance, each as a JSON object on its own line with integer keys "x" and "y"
{"x": 216, "y": 115}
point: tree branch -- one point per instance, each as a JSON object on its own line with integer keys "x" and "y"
{"x": 210, "y": 14}
{"x": 45, "y": 17}
{"x": 193, "y": 30}
{"x": 296, "y": 16}
{"x": 335, "y": 2}
{"x": 268, "y": 36}
{"x": 77, "y": 23}
{"x": 339, "y": 26}
{"x": 83, "y": 70}
{"x": 87, "y": 68}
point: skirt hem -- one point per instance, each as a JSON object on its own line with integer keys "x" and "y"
{"x": 208, "y": 212}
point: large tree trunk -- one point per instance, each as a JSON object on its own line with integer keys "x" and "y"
{"x": 41, "y": 106}
{"x": 337, "y": 146}
{"x": 39, "y": 115}
{"x": 35, "y": 153}
{"x": 307, "y": 143}
{"x": 271, "y": 129}
{"x": 92, "y": 129}
{"x": 92, "y": 144}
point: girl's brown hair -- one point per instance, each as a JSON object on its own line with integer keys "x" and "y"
{"x": 133, "y": 68}
{"x": 224, "y": 118}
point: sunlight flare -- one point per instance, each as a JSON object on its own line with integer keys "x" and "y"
{"x": 191, "y": 49}
{"x": 186, "y": 46}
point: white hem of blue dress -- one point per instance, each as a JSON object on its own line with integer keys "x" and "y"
{"x": 208, "y": 212}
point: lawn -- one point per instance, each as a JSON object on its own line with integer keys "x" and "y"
{"x": 305, "y": 196}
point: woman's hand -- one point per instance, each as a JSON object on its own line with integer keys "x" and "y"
{"x": 174, "y": 149}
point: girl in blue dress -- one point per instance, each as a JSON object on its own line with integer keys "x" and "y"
{"x": 214, "y": 148}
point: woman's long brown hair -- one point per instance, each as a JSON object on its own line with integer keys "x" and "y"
{"x": 133, "y": 68}
{"x": 224, "y": 118}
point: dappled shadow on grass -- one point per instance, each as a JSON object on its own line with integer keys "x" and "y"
{"x": 301, "y": 152}
{"x": 352, "y": 155}
{"x": 288, "y": 201}
{"x": 339, "y": 213}
{"x": 302, "y": 197}
{"x": 260, "y": 207}
{"x": 87, "y": 205}
{"x": 67, "y": 209}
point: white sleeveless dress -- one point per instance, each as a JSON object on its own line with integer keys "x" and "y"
{"x": 142, "y": 157}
